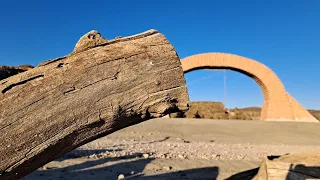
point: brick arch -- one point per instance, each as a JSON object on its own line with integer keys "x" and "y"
{"x": 278, "y": 104}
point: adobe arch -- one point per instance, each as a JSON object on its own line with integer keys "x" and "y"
{"x": 278, "y": 104}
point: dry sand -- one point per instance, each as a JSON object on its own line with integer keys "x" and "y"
{"x": 182, "y": 149}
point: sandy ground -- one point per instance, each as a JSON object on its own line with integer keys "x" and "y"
{"x": 182, "y": 149}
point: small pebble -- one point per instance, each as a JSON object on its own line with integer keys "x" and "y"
{"x": 93, "y": 156}
{"x": 145, "y": 155}
{"x": 240, "y": 157}
{"x": 167, "y": 168}
{"x": 121, "y": 176}
{"x": 181, "y": 157}
{"x": 218, "y": 156}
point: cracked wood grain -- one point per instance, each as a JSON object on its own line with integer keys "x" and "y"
{"x": 99, "y": 88}
{"x": 20, "y": 83}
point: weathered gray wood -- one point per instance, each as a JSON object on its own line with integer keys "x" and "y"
{"x": 101, "y": 87}
{"x": 300, "y": 166}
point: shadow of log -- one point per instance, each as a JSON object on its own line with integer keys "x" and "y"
{"x": 303, "y": 172}
{"x": 245, "y": 175}
{"x": 97, "y": 169}
{"x": 298, "y": 172}
{"x": 91, "y": 169}
{"x": 197, "y": 173}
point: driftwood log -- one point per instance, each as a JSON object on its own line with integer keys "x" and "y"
{"x": 101, "y": 87}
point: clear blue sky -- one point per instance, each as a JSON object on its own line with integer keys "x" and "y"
{"x": 279, "y": 33}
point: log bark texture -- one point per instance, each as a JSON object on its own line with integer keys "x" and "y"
{"x": 101, "y": 87}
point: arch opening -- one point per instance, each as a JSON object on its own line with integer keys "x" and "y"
{"x": 231, "y": 87}
{"x": 250, "y": 75}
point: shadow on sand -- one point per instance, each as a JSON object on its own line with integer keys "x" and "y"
{"x": 298, "y": 172}
{"x": 130, "y": 166}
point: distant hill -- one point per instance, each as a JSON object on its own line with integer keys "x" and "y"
{"x": 7, "y": 71}
{"x": 315, "y": 113}
{"x": 216, "y": 110}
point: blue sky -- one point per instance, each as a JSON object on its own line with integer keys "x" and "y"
{"x": 281, "y": 34}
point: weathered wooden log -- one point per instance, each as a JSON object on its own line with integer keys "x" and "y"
{"x": 101, "y": 87}
{"x": 299, "y": 166}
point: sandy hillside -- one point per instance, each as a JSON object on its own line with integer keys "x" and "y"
{"x": 182, "y": 149}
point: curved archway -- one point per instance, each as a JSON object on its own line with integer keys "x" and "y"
{"x": 278, "y": 104}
